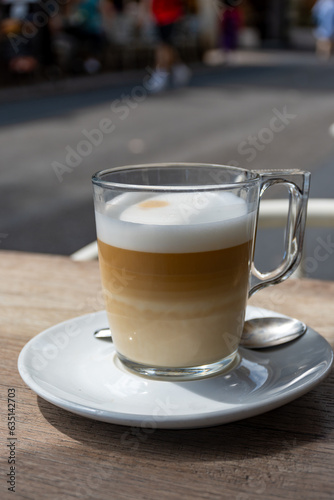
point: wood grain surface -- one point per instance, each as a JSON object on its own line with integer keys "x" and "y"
{"x": 287, "y": 453}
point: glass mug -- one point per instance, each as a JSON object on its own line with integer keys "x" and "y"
{"x": 176, "y": 244}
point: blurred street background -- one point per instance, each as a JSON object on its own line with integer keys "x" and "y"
{"x": 72, "y": 104}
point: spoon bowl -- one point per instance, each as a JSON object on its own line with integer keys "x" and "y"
{"x": 260, "y": 333}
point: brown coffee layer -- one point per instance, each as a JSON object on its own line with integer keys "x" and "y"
{"x": 175, "y": 309}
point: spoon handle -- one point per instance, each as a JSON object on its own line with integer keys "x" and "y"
{"x": 259, "y": 333}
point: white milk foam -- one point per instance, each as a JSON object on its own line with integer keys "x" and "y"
{"x": 175, "y": 222}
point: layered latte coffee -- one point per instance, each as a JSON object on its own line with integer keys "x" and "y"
{"x": 175, "y": 274}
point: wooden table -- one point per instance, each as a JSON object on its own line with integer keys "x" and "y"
{"x": 287, "y": 453}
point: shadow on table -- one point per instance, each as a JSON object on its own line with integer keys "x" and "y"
{"x": 303, "y": 421}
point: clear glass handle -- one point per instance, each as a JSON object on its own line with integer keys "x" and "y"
{"x": 298, "y": 185}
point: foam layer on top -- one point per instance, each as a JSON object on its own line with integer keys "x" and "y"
{"x": 175, "y": 222}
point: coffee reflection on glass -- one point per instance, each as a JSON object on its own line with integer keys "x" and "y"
{"x": 175, "y": 250}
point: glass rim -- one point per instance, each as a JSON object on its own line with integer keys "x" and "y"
{"x": 97, "y": 178}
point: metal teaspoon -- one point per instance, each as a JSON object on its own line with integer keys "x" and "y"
{"x": 258, "y": 332}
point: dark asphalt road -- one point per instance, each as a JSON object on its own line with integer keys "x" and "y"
{"x": 214, "y": 120}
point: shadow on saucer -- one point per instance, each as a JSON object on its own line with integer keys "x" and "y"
{"x": 264, "y": 374}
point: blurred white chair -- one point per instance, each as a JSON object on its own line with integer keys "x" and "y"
{"x": 320, "y": 213}
{"x": 273, "y": 214}
{"x": 89, "y": 252}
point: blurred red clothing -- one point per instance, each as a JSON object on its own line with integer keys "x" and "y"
{"x": 167, "y": 11}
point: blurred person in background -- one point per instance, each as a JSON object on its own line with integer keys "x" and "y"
{"x": 230, "y": 25}
{"x": 169, "y": 69}
{"x": 119, "y": 21}
{"x": 81, "y": 21}
{"x": 25, "y": 40}
{"x": 323, "y": 15}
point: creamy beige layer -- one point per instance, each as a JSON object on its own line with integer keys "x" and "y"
{"x": 175, "y": 310}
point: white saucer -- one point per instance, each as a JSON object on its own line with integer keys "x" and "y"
{"x": 70, "y": 368}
